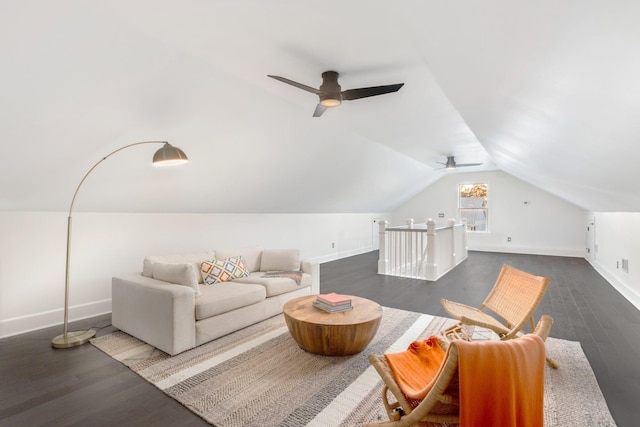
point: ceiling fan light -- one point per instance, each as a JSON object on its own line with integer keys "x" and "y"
{"x": 330, "y": 101}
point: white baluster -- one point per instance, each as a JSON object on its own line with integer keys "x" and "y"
{"x": 432, "y": 268}
{"x": 408, "y": 252}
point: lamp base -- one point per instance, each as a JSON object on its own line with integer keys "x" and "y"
{"x": 72, "y": 339}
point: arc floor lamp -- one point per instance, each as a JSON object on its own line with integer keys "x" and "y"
{"x": 167, "y": 155}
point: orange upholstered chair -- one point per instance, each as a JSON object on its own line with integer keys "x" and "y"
{"x": 474, "y": 381}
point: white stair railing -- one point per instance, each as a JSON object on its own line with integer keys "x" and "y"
{"x": 421, "y": 251}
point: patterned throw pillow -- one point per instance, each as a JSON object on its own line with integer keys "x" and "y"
{"x": 222, "y": 270}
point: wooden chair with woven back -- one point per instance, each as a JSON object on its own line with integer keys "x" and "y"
{"x": 498, "y": 375}
{"x": 515, "y": 296}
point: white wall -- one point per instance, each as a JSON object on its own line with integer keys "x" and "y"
{"x": 616, "y": 237}
{"x": 547, "y": 225}
{"x": 32, "y": 252}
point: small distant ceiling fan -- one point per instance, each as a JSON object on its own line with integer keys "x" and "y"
{"x": 451, "y": 164}
{"x": 332, "y": 95}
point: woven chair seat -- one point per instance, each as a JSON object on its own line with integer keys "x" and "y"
{"x": 472, "y": 316}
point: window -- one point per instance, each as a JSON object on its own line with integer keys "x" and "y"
{"x": 473, "y": 206}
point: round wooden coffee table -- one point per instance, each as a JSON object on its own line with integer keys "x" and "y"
{"x": 332, "y": 334}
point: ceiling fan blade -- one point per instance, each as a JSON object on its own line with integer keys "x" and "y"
{"x": 319, "y": 110}
{"x": 364, "y": 92}
{"x": 451, "y": 164}
{"x": 296, "y": 84}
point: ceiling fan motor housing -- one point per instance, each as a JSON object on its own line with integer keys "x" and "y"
{"x": 451, "y": 163}
{"x": 330, "y": 90}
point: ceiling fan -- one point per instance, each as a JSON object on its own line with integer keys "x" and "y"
{"x": 332, "y": 95}
{"x": 451, "y": 164}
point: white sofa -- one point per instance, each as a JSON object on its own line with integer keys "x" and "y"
{"x": 170, "y": 307}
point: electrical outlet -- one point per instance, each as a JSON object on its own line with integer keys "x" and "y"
{"x": 508, "y": 239}
{"x": 333, "y": 245}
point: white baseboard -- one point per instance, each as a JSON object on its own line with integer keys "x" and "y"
{"x": 32, "y": 322}
{"x": 579, "y": 253}
{"x": 343, "y": 254}
{"x": 631, "y": 295}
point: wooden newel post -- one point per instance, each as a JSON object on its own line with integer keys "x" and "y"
{"x": 452, "y": 223}
{"x": 383, "y": 260}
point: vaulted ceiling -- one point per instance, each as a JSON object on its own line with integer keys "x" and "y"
{"x": 547, "y": 91}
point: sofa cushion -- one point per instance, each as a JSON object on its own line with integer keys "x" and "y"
{"x": 222, "y": 270}
{"x": 194, "y": 258}
{"x": 180, "y": 274}
{"x": 250, "y": 256}
{"x": 275, "y": 285}
{"x": 280, "y": 260}
{"x": 227, "y": 296}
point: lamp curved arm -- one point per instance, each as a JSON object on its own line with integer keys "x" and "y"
{"x": 167, "y": 155}
{"x": 73, "y": 200}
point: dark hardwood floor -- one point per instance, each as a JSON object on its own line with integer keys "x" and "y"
{"x": 585, "y": 308}
{"x": 84, "y": 387}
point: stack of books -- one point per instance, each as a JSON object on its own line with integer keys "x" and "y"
{"x": 332, "y": 303}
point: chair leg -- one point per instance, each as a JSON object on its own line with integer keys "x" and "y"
{"x": 394, "y": 410}
{"x": 552, "y": 363}
{"x": 455, "y": 332}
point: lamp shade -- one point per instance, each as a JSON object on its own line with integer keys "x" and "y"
{"x": 168, "y": 155}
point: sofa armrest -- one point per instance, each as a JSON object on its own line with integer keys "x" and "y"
{"x": 312, "y": 268}
{"x": 160, "y": 313}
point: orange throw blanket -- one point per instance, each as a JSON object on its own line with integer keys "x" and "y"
{"x": 501, "y": 382}
{"x": 416, "y": 368}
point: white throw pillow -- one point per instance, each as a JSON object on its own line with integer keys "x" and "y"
{"x": 250, "y": 256}
{"x": 180, "y": 274}
{"x": 280, "y": 260}
{"x": 194, "y": 258}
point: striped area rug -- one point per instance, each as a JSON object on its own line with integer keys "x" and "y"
{"x": 258, "y": 376}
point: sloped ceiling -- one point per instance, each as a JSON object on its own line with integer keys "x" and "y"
{"x": 547, "y": 91}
